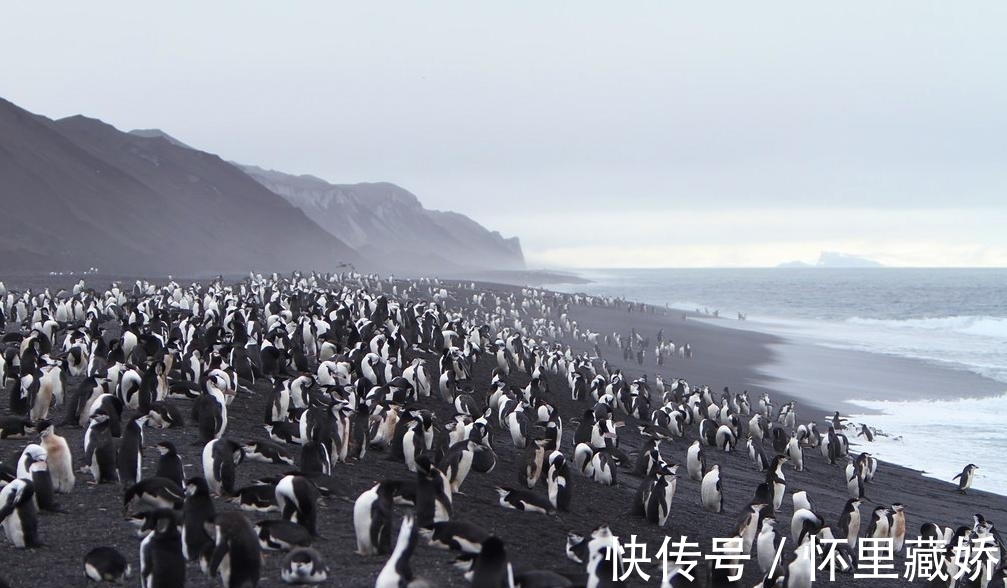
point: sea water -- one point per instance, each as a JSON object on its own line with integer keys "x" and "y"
{"x": 952, "y": 318}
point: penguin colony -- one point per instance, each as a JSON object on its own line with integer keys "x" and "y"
{"x": 351, "y": 370}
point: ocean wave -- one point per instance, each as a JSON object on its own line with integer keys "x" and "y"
{"x": 982, "y": 326}
{"x": 967, "y": 430}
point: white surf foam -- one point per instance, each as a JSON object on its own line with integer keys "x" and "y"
{"x": 940, "y": 437}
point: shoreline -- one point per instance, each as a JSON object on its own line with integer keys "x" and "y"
{"x": 737, "y": 359}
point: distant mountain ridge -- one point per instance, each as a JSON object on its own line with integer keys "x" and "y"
{"x": 387, "y": 222}
{"x": 79, "y": 193}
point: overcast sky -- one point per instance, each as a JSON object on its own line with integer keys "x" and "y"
{"x": 601, "y": 133}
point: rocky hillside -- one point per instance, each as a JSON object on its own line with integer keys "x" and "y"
{"x": 388, "y": 223}
{"x": 78, "y": 193}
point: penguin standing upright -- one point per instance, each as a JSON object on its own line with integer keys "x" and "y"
{"x": 197, "y": 512}
{"x": 849, "y": 522}
{"x": 658, "y": 503}
{"x": 491, "y": 567}
{"x": 711, "y": 490}
{"x": 766, "y": 544}
{"x": 457, "y": 462}
{"x": 18, "y": 513}
{"x": 965, "y": 478}
{"x": 32, "y": 466}
{"x": 695, "y": 461}
{"x": 397, "y": 573}
{"x": 897, "y": 527}
{"x": 433, "y": 494}
{"x": 777, "y": 481}
{"x": 169, "y": 464}
{"x": 372, "y": 520}
{"x": 210, "y": 411}
{"x": 99, "y": 450}
{"x": 748, "y": 526}
{"x": 129, "y": 459}
{"x": 237, "y": 556}
{"x": 220, "y": 460}
{"x": 557, "y": 480}
{"x": 58, "y": 458}
{"x": 161, "y": 561}
{"x": 878, "y": 528}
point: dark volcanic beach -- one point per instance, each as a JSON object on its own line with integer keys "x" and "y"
{"x": 737, "y": 359}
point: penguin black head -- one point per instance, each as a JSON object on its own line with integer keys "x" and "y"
{"x": 166, "y": 448}
{"x": 197, "y": 486}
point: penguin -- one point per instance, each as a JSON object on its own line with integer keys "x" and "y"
{"x": 433, "y": 494}
{"x": 210, "y": 412}
{"x": 535, "y": 457}
{"x": 491, "y": 568}
{"x": 767, "y": 544}
{"x": 649, "y": 459}
{"x": 711, "y": 490}
{"x": 878, "y": 527}
{"x": 281, "y": 535}
{"x": 662, "y": 492}
{"x": 777, "y": 481}
{"x": 695, "y": 461}
{"x": 58, "y": 458}
{"x": 220, "y": 459}
{"x": 164, "y": 415}
{"x": 518, "y": 425}
{"x": 256, "y": 498}
{"x": 129, "y": 458}
{"x": 558, "y": 482}
{"x": 801, "y": 570}
{"x": 456, "y": 535}
{"x": 758, "y": 455}
{"x": 18, "y": 513}
{"x": 315, "y": 458}
{"x": 804, "y": 521}
{"x": 726, "y": 439}
{"x": 582, "y": 459}
{"x": 298, "y": 498}
{"x": 603, "y": 466}
{"x": 795, "y": 454}
{"x": 965, "y": 478}
{"x": 197, "y": 512}
{"x": 161, "y": 561}
{"x": 748, "y": 526}
{"x": 12, "y": 427}
{"x": 854, "y": 481}
{"x": 99, "y": 451}
{"x": 372, "y": 520}
{"x": 897, "y": 527}
{"x": 457, "y": 463}
{"x": 522, "y": 500}
{"x": 169, "y": 464}
{"x": 237, "y": 556}
{"x": 303, "y": 565}
{"x": 397, "y": 572}
{"x": 106, "y": 564}
{"x": 155, "y": 492}
{"x": 266, "y": 452}
{"x": 32, "y": 466}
